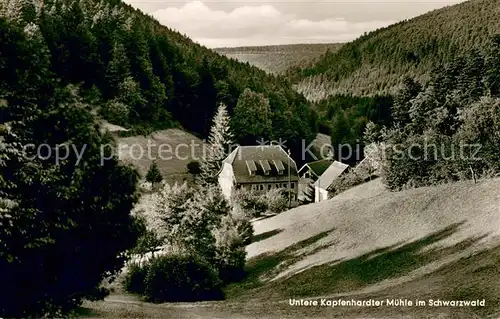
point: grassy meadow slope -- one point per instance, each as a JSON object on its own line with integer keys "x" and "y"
{"x": 376, "y": 62}
{"x": 427, "y": 243}
{"x": 277, "y": 59}
{"x": 173, "y": 145}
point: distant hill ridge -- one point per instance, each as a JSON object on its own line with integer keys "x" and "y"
{"x": 277, "y": 59}
{"x": 376, "y": 62}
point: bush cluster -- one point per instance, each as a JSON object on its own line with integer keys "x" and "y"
{"x": 135, "y": 278}
{"x": 174, "y": 278}
{"x": 256, "y": 204}
{"x": 205, "y": 237}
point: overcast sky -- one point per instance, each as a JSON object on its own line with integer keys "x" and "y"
{"x": 229, "y": 23}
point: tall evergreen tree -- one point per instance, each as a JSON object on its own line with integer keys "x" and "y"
{"x": 220, "y": 141}
{"x": 117, "y": 70}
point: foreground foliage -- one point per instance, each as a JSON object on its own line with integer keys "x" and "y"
{"x": 181, "y": 278}
{"x": 65, "y": 202}
{"x": 196, "y": 222}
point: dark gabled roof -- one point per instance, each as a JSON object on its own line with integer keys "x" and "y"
{"x": 271, "y": 153}
{"x": 333, "y": 172}
{"x": 319, "y": 167}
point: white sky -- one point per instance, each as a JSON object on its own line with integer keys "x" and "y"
{"x": 225, "y": 23}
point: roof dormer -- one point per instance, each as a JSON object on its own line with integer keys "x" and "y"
{"x": 252, "y": 168}
{"x": 279, "y": 166}
{"x": 266, "y": 168}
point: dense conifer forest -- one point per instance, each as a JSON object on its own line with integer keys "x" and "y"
{"x": 145, "y": 76}
{"x": 376, "y": 62}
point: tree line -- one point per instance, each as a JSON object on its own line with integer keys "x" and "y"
{"x": 448, "y": 129}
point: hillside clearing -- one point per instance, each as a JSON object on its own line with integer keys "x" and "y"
{"x": 428, "y": 243}
{"x": 173, "y": 149}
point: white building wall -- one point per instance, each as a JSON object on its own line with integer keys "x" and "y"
{"x": 226, "y": 178}
{"x": 320, "y": 194}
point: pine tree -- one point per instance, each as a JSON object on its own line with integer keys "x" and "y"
{"x": 219, "y": 144}
{"x": 117, "y": 70}
{"x": 154, "y": 175}
{"x": 340, "y": 133}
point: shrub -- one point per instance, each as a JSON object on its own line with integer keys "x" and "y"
{"x": 243, "y": 225}
{"x": 135, "y": 278}
{"x": 347, "y": 181}
{"x": 254, "y": 204}
{"x": 232, "y": 265}
{"x": 116, "y": 112}
{"x": 181, "y": 278}
{"x": 277, "y": 201}
{"x": 309, "y": 194}
{"x": 230, "y": 254}
{"x": 146, "y": 187}
{"x": 147, "y": 243}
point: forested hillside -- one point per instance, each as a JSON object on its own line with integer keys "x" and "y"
{"x": 448, "y": 129}
{"x": 376, "y": 62}
{"x": 142, "y": 75}
{"x": 277, "y": 59}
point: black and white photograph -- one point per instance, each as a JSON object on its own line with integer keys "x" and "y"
{"x": 250, "y": 159}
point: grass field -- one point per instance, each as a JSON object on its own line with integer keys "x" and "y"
{"x": 176, "y": 147}
{"x": 277, "y": 59}
{"x": 428, "y": 243}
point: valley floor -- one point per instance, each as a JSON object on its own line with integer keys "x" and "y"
{"x": 429, "y": 243}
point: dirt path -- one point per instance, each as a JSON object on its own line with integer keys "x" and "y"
{"x": 116, "y": 308}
